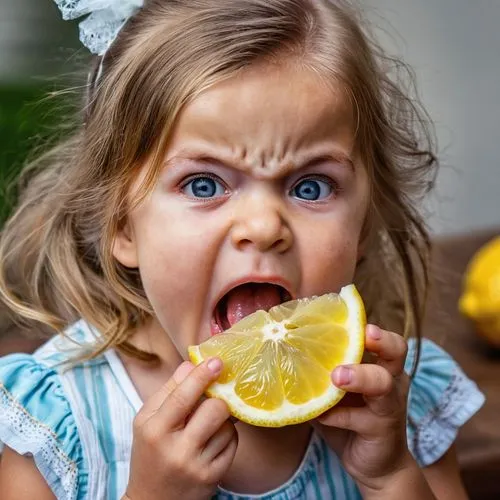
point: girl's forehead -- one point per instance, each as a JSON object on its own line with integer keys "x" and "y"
{"x": 267, "y": 116}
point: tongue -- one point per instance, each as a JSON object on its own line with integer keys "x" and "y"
{"x": 247, "y": 299}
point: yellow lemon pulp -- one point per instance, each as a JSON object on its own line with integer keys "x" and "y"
{"x": 277, "y": 364}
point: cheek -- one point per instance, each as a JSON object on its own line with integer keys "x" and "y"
{"x": 176, "y": 258}
{"x": 173, "y": 266}
{"x": 329, "y": 264}
{"x": 330, "y": 252}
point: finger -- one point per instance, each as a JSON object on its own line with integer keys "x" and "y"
{"x": 219, "y": 441}
{"x": 390, "y": 348}
{"x": 382, "y": 393}
{"x": 182, "y": 400}
{"x": 359, "y": 420}
{"x": 153, "y": 403}
{"x": 182, "y": 372}
{"x": 221, "y": 463}
{"x": 206, "y": 420}
{"x": 352, "y": 399}
{"x": 369, "y": 380}
{"x": 337, "y": 440}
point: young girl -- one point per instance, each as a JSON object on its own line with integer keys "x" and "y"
{"x": 230, "y": 151}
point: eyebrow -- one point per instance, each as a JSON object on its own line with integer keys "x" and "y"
{"x": 209, "y": 158}
{"x": 337, "y": 157}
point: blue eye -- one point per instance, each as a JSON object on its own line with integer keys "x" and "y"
{"x": 312, "y": 190}
{"x": 204, "y": 187}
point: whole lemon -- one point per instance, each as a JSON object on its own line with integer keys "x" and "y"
{"x": 480, "y": 300}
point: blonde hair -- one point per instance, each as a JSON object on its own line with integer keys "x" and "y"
{"x": 56, "y": 249}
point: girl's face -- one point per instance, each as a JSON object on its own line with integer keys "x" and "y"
{"x": 261, "y": 185}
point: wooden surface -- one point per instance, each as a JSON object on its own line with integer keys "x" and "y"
{"x": 479, "y": 440}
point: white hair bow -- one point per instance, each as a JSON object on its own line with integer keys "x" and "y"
{"x": 106, "y": 19}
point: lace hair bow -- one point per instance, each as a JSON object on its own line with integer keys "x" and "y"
{"x": 106, "y": 19}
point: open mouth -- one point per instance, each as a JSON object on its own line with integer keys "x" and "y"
{"x": 244, "y": 300}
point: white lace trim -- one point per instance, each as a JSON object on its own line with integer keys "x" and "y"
{"x": 17, "y": 423}
{"x": 106, "y": 19}
{"x": 437, "y": 430}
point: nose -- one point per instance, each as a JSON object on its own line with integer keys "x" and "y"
{"x": 260, "y": 223}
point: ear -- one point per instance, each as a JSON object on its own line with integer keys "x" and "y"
{"x": 124, "y": 246}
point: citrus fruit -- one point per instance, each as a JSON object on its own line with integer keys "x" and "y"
{"x": 277, "y": 364}
{"x": 480, "y": 300}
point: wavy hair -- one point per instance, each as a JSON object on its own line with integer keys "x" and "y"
{"x": 56, "y": 262}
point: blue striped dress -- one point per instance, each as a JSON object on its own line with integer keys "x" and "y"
{"x": 77, "y": 422}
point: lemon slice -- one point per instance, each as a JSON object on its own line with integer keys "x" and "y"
{"x": 277, "y": 364}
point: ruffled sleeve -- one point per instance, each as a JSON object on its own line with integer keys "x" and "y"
{"x": 36, "y": 419}
{"x": 442, "y": 398}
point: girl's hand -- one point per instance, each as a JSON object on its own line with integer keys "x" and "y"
{"x": 375, "y": 448}
{"x": 181, "y": 448}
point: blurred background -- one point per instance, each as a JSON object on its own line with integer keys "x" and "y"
{"x": 39, "y": 54}
{"x": 454, "y": 48}
{"x": 453, "y": 45}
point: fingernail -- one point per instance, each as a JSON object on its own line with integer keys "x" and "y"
{"x": 342, "y": 376}
{"x": 374, "y": 332}
{"x": 215, "y": 365}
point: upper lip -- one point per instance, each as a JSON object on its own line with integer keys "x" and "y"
{"x": 271, "y": 279}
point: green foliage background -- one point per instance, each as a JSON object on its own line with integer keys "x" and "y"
{"x": 42, "y": 53}
{"x": 21, "y": 121}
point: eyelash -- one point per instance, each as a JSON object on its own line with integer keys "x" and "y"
{"x": 334, "y": 186}
{"x": 202, "y": 175}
